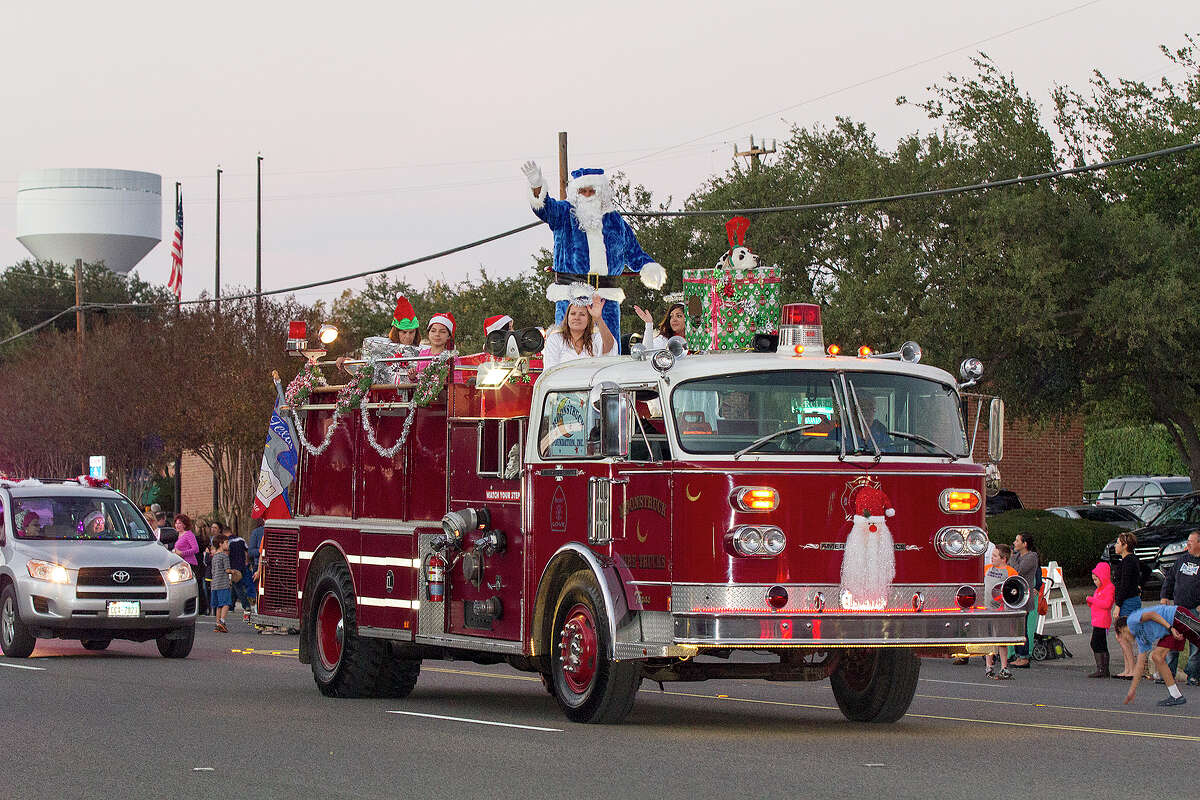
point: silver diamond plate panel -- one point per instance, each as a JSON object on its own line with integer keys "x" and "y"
{"x": 753, "y": 597}
{"x": 431, "y": 617}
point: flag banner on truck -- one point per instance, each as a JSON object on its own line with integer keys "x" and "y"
{"x": 278, "y": 469}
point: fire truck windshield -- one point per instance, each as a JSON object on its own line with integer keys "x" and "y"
{"x": 903, "y": 414}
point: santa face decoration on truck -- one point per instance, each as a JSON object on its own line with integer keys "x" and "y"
{"x": 869, "y": 560}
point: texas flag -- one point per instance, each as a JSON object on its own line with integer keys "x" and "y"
{"x": 278, "y": 469}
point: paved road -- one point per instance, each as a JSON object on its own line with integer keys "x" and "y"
{"x": 241, "y": 718}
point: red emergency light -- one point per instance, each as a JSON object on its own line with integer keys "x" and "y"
{"x": 297, "y": 329}
{"x": 801, "y": 314}
{"x": 800, "y": 329}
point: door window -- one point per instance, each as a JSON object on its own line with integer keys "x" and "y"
{"x": 567, "y": 428}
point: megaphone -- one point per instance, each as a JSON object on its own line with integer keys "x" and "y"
{"x": 1014, "y": 591}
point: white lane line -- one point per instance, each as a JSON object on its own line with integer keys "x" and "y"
{"x": 21, "y": 666}
{"x": 963, "y": 683}
{"x": 477, "y": 721}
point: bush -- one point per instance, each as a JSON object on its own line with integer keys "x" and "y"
{"x": 1077, "y": 545}
{"x": 1144, "y": 450}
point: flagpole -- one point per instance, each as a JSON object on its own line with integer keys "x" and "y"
{"x": 179, "y": 455}
{"x": 217, "y": 278}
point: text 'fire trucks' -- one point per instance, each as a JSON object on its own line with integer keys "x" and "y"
{"x": 786, "y": 515}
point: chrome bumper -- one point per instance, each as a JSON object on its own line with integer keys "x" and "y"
{"x": 852, "y": 629}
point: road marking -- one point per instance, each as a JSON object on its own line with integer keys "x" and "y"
{"x": 204, "y": 769}
{"x": 996, "y": 684}
{"x": 21, "y": 666}
{"x": 478, "y": 721}
{"x": 1064, "y": 708}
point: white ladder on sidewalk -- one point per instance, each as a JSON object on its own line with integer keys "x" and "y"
{"x": 1059, "y": 608}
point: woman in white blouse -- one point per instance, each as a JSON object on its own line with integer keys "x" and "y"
{"x": 582, "y": 335}
{"x": 674, "y": 323}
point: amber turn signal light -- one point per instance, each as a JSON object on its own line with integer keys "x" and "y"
{"x": 756, "y": 498}
{"x": 959, "y": 501}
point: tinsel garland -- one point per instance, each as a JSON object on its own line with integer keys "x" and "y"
{"x": 316, "y": 450}
{"x": 429, "y": 385}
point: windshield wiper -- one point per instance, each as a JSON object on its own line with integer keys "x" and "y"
{"x": 759, "y": 442}
{"x": 916, "y": 437}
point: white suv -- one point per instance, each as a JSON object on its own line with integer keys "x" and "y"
{"x": 79, "y": 562}
{"x": 1136, "y": 491}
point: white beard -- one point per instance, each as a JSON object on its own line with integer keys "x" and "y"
{"x": 868, "y": 565}
{"x": 589, "y": 212}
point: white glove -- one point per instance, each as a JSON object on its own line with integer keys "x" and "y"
{"x": 533, "y": 174}
{"x": 654, "y": 276}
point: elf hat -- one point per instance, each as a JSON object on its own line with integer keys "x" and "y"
{"x": 405, "y": 316}
{"x": 872, "y": 502}
{"x": 444, "y": 318}
{"x": 496, "y": 323}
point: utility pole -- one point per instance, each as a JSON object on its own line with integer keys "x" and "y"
{"x": 258, "y": 259}
{"x": 754, "y": 152}
{"x": 562, "y": 165}
{"x": 217, "y": 278}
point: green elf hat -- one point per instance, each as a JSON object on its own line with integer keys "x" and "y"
{"x": 405, "y": 316}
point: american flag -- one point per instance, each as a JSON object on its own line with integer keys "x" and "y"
{"x": 175, "y": 283}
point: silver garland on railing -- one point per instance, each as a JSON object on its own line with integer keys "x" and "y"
{"x": 387, "y": 452}
{"x": 324, "y": 445}
{"x": 429, "y": 386}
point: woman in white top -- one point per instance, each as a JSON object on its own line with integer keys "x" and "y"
{"x": 674, "y": 323}
{"x": 582, "y": 335}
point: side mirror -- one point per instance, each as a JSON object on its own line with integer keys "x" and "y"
{"x": 996, "y": 430}
{"x": 611, "y": 410}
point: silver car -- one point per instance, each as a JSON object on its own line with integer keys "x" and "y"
{"x": 78, "y": 562}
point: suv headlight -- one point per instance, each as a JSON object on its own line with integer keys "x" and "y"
{"x": 1177, "y": 547}
{"x": 48, "y": 571}
{"x": 180, "y": 572}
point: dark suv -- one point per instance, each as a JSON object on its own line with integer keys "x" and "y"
{"x": 1160, "y": 543}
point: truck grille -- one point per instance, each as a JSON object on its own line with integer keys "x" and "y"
{"x": 1145, "y": 554}
{"x": 281, "y": 555}
{"x": 103, "y": 576}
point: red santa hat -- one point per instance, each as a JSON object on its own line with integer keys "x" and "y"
{"x": 872, "y": 502}
{"x": 26, "y": 519}
{"x": 444, "y": 318}
{"x": 404, "y": 318}
{"x": 496, "y": 323}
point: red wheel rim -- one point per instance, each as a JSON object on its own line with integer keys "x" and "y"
{"x": 578, "y": 647}
{"x": 330, "y": 631}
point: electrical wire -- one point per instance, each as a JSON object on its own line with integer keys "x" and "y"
{"x": 646, "y": 214}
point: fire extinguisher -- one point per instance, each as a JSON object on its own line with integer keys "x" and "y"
{"x": 435, "y": 578}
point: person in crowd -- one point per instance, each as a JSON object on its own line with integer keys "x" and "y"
{"x": 1128, "y": 597}
{"x": 1101, "y": 603}
{"x": 1151, "y": 630}
{"x": 239, "y": 563}
{"x": 148, "y": 516}
{"x": 440, "y": 334}
{"x": 166, "y": 533}
{"x": 1182, "y": 587}
{"x": 188, "y": 548}
{"x": 581, "y": 336}
{"x": 221, "y": 582}
{"x": 29, "y": 526}
{"x": 673, "y": 323}
{"x": 1025, "y": 562}
{"x": 998, "y": 570}
{"x": 93, "y": 525}
{"x": 254, "y": 544}
{"x": 213, "y": 529}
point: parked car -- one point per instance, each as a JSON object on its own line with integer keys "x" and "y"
{"x": 1159, "y": 544}
{"x": 1001, "y": 501}
{"x": 79, "y": 562}
{"x": 1137, "y": 491}
{"x": 1111, "y": 515}
{"x": 1152, "y": 509}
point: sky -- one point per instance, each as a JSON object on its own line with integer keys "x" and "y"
{"x": 393, "y": 130}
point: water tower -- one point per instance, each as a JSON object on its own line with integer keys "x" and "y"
{"x": 109, "y": 215}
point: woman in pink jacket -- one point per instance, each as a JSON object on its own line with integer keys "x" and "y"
{"x": 187, "y": 548}
{"x": 1101, "y": 603}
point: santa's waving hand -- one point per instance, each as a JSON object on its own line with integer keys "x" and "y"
{"x": 593, "y": 244}
{"x": 869, "y": 560}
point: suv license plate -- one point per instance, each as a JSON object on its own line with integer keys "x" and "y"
{"x": 124, "y": 608}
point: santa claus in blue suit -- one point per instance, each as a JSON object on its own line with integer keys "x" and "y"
{"x": 593, "y": 244}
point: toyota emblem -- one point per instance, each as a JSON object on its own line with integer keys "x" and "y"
{"x": 120, "y": 576}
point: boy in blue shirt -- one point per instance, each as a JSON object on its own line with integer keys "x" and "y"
{"x": 1151, "y": 630}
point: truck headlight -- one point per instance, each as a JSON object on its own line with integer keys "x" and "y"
{"x": 1177, "y": 547}
{"x": 48, "y": 571}
{"x": 180, "y": 572}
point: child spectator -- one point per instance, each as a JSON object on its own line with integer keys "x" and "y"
{"x": 1150, "y": 630}
{"x": 998, "y": 571}
{"x": 220, "y": 581}
{"x": 238, "y": 562}
{"x": 1101, "y": 602}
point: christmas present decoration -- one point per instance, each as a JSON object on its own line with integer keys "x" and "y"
{"x": 731, "y": 302}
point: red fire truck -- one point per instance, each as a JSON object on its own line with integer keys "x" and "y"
{"x": 654, "y": 516}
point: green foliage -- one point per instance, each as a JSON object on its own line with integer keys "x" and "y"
{"x": 1142, "y": 450}
{"x": 1077, "y": 545}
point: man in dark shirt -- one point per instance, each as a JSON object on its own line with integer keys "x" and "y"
{"x": 237, "y": 561}
{"x": 167, "y": 535}
{"x": 1181, "y": 586}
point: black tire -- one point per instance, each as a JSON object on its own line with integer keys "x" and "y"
{"x": 96, "y": 644}
{"x": 345, "y": 664}
{"x": 177, "y": 648}
{"x": 596, "y": 689}
{"x": 1039, "y": 651}
{"x": 876, "y": 685}
{"x": 15, "y": 639}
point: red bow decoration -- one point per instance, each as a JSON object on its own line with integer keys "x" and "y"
{"x": 736, "y": 229}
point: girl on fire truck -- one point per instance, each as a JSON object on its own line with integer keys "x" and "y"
{"x": 582, "y": 335}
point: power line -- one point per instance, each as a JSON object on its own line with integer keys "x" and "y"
{"x": 1023, "y": 179}
{"x": 866, "y": 81}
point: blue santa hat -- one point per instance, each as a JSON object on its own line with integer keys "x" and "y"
{"x": 579, "y": 173}
{"x": 593, "y": 177}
